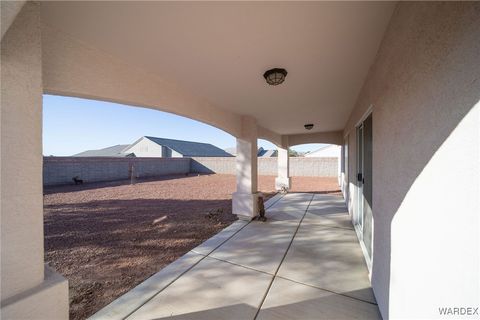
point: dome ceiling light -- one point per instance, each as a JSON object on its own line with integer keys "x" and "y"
{"x": 275, "y": 76}
{"x": 309, "y": 126}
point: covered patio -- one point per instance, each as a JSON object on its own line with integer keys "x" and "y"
{"x": 305, "y": 262}
{"x": 395, "y": 84}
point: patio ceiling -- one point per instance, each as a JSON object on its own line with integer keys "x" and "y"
{"x": 219, "y": 51}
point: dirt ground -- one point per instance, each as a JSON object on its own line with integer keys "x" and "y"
{"x": 106, "y": 238}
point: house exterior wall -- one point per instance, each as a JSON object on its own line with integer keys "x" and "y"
{"x": 146, "y": 148}
{"x": 424, "y": 90}
{"x": 175, "y": 154}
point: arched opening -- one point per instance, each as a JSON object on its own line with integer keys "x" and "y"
{"x": 314, "y": 150}
{"x": 135, "y": 210}
{"x": 315, "y": 167}
{"x": 266, "y": 167}
{"x": 65, "y": 117}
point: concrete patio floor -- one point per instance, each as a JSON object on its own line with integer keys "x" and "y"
{"x": 305, "y": 262}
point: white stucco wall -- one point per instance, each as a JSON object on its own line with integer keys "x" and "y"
{"x": 175, "y": 154}
{"x": 425, "y": 89}
{"x": 145, "y": 148}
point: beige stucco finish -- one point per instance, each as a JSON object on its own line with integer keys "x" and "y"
{"x": 9, "y": 11}
{"x": 21, "y": 150}
{"x": 49, "y": 300}
{"x": 244, "y": 200}
{"x": 26, "y": 290}
{"x": 282, "y": 181}
{"x": 73, "y": 68}
{"x": 425, "y": 90}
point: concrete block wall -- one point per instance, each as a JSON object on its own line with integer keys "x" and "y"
{"x": 222, "y": 165}
{"x": 316, "y": 167}
{"x": 267, "y": 166}
{"x": 61, "y": 170}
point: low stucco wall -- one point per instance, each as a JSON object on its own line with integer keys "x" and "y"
{"x": 316, "y": 167}
{"x": 61, "y": 170}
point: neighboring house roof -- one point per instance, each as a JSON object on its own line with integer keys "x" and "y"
{"x": 189, "y": 148}
{"x": 232, "y": 151}
{"x": 263, "y": 153}
{"x": 325, "y": 151}
{"x": 114, "y": 151}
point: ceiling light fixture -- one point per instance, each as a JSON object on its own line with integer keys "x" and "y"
{"x": 308, "y": 126}
{"x": 275, "y": 76}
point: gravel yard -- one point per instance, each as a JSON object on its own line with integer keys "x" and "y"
{"x": 106, "y": 238}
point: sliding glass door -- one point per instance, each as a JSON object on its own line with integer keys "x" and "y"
{"x": 363, "y": 214}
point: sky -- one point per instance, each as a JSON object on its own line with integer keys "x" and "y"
{"x": 73, "y": 125}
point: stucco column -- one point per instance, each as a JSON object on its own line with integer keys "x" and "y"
{"x": 244, "y": 200}
{"x": 28, "y": 289}
{"x": 283, "y": 178}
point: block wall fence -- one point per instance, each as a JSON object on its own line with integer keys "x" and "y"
{"x": 61, "y": 170}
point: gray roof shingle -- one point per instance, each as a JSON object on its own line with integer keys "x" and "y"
{"x": 191, "y": 149}
{"x": 113, "y": 151}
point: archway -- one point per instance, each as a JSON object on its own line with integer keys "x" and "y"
{"x": 107, "y": 236}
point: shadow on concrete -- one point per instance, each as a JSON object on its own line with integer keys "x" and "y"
{"x": 328, "y": 306}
